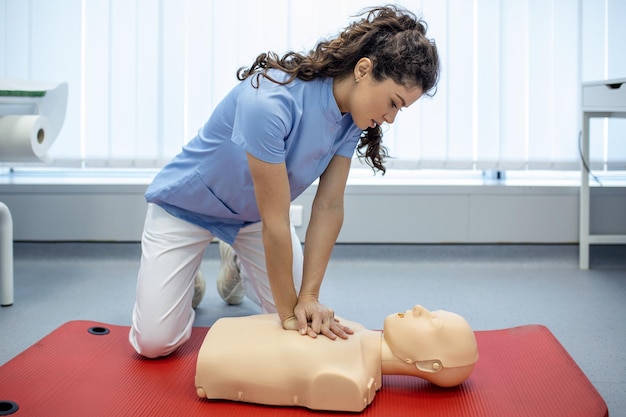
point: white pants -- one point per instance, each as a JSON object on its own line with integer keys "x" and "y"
{"x": 172, "y": 250}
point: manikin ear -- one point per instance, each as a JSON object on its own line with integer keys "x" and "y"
{"x": 362, "y": 68}
{"x": 431, "y": 366}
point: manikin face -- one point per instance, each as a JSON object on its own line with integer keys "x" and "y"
{"x": 420, "y": 335}
{"x": 374, "y": 102}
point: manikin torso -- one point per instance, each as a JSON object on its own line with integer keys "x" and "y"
{"x": 320, "y": 373}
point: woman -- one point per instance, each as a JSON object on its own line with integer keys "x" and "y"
{"x": 291, "y": 121}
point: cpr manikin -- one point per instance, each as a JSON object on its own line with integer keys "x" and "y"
{"x": 253, "y": 359}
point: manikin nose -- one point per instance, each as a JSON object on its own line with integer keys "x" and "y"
{"x": 420, "y": 311}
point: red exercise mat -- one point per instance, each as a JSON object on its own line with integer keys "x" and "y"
{"x": 522, "y": 371}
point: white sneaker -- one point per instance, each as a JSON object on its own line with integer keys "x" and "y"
{"x": 199, "y": 288}
{"x": 229, "y": 284}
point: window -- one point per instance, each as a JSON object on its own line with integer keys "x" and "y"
{"x": 145, "y": 74}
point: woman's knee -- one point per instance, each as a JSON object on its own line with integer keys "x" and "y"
{"x": 157, "y": 341}
{"x": 151, "y": 348}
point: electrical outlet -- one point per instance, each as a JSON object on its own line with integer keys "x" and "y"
{"x": 295, "y": 214}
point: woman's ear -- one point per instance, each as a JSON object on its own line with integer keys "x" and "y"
{"x": 362, "y": 68}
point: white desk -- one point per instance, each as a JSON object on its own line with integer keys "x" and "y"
{"x": 599, "y": 99}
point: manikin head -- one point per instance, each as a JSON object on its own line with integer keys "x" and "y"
{"x": 440, "y": 344}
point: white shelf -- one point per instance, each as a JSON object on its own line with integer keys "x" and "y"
{"x": 606, "y": 98}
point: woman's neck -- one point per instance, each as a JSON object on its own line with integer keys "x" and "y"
{"x": 341, "y": 91}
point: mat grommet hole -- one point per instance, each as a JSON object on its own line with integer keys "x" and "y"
{"x": 98, "y": 331}
{"x": 7, "y": 407}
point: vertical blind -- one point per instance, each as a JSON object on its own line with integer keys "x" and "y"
{"x": 144, "y": 75}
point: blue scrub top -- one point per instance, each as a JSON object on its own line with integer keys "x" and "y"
{"x": 209, "y": 182}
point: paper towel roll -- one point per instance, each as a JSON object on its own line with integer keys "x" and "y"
{"x": 24, "y": 138}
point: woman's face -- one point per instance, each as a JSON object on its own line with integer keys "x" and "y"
{"x": 375, "y": 103}
{"x": 421, "y": 335}
{"x": 372, "y": 102}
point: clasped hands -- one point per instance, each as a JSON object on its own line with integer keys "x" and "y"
{"x": 310, "y": 317}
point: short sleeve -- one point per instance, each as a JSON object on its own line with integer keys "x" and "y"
{"x": 263, "y": 120}
{"x": 348, "y": 147}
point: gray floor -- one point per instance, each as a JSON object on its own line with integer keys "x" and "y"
{"x": 493, "y": 286}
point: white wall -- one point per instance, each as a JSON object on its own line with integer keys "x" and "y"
{"x": 419, "y": 213}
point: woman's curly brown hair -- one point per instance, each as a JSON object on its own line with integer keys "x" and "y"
{"x": 392, "y": 37}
